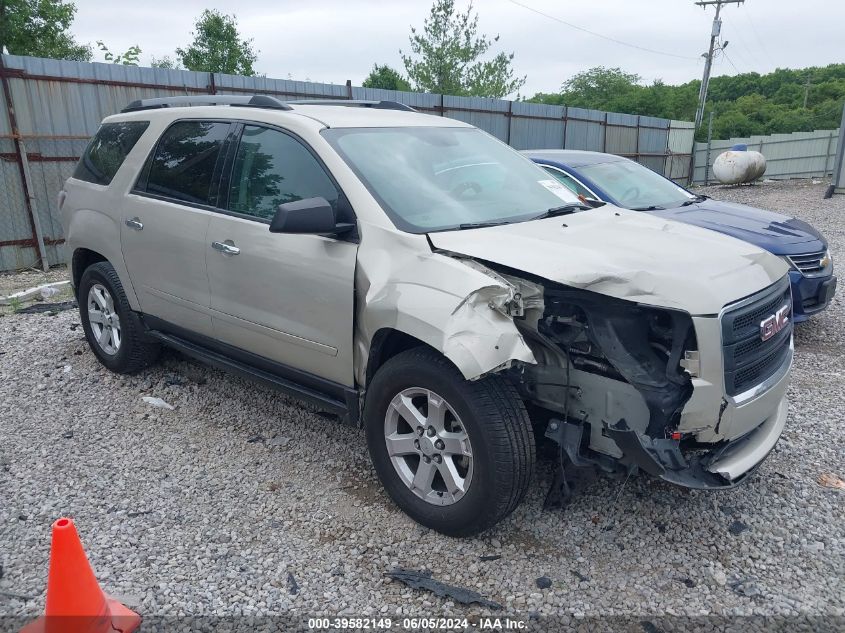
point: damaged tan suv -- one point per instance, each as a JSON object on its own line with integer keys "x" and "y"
{"x": 419, "y": 278}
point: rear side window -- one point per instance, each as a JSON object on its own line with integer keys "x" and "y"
{"x": 570, "y": 183}
{"x": 107, "y": 151}
{"x": 185, "y": 160}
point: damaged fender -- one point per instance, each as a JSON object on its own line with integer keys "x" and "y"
{"x": 458, "y": 307}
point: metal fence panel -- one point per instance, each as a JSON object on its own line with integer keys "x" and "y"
{"x": 60, "y": 104}
{"x": 491, "y": 115}
{"x": 679, "y": 144}
{"x": 795, "y": 155}
{"x": 284, "y": 88}
{"x": 425, "y": 101}
{"x": 584, "y": 129}
{"x": 56, "y": 97}
{"x": 537, "y": 126}
{"x": 621, "y": 134}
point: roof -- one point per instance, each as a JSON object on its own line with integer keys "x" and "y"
{"x": 572, "y": 157}
{"x": 341, "y": 116}
{"x": 334, "y": 115}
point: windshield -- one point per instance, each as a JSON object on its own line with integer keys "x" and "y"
{"x": 634, "y": 186}
{"x": 440, "y": 178}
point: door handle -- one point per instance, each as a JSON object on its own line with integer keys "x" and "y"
{"x": 135, "y": 223}
{"x": 227, "y": 247}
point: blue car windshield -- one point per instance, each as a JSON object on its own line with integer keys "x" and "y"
{"x": 444, "y": 178}
{"x": 635, "y": 187}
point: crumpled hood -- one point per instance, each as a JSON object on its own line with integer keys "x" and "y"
{"x": 626, "y": 254}
{"x": 766, "y": 229}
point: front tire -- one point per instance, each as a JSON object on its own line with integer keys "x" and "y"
{"x": 114, "y": 331}
{"x": 455, "y": 455}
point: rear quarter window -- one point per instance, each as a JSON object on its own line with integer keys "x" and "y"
{"x": 107, "y": 151}
{"x": 184, "y": 164}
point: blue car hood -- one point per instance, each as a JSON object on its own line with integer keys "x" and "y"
{"x": 775, "y": 232}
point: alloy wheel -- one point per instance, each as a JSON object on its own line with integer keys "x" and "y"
{"x": 428, "y": 446}
{"x": 104, "y": 321}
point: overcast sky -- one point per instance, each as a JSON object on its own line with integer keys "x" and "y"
{"x": 332, "y": 40}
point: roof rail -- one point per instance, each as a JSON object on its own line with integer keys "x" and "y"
{"x": 248, "y": 101}
{"x": 355, "y": 103}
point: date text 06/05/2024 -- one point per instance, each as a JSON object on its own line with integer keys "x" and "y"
{"x": 412, "y": 624}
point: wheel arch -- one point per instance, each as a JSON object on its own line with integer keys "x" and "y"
{"x": 81, "y": 259}
{"x": 387, "y": 343}
{"x": 93, "y": 236}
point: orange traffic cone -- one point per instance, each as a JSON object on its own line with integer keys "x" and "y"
{"x": 75, "y": 602}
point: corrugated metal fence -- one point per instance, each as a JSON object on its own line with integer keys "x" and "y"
{"x": 49, "y": 109}
{"x": 795, "y": 155}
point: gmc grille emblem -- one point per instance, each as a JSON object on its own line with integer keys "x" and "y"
{"x": 773, "y": 324}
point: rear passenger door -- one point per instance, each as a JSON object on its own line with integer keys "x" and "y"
{"x": 165, "y": 221}
{"x": 285, "y": 298}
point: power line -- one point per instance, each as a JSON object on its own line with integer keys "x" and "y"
{"x": 747, "y": 14}
{"x": 604, "y": 37}
{"x": 730, "y": 61}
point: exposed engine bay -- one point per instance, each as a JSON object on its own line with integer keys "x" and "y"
{"x": 611, "y": 379}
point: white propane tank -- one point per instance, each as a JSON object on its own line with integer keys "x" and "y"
{"x": 739, "y": 165}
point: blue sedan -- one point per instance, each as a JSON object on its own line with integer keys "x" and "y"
{"x": 625, "y": 183}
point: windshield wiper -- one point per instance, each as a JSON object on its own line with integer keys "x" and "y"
{"x": 698, "y": 198}
{"x": 564, "y": 209}
{"x": 651, "y": 207}
{"x": 481, "y": 225}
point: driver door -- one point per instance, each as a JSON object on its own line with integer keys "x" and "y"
{"x": 287, "y": 298}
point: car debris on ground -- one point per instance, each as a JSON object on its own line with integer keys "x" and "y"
{"x": 423, "y": 580}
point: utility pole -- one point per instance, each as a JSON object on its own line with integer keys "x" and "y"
{"x": 806, "y": 91}
{"x": 708, "y": 63}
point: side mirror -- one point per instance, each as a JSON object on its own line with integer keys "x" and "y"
{"x": 310, "y": 216}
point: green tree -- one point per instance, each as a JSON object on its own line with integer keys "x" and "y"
{"x": 446, "y": 57}
{"x": 39, "y": 28}
{"x": 599, "y": 85}
{"x": 387, "y": 78}
{"x": 165, "y": 61}
{"x": 129, "y": 58}
{"x": 743, "y": 105}
{"x": 218, "y": 47}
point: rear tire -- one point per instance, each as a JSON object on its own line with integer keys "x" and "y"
{"x": 114, "y": 331}
{"x": 482, "y": 456}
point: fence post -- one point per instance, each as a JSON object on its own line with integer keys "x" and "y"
{"x": 212, "y": 86}
{"x": 638, "y": 138}
{"x": 604, "y": 139}
{"x": 348, "y": 88}
{"x": 510, "y": 120}
{"x": 23, "y": 168}
{"x": 29, "y": 191}
{"x": 565, "y": 124}
{"x": 827, "y": 154}
{"x": 709, "y": 142}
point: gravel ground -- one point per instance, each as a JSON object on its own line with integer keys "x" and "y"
{"x": 217, "y": 507}
{"x": 30, "y": 278}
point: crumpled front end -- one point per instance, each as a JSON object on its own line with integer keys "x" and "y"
{"x": 696, "y": 401}
{"x": 618, "y": 383}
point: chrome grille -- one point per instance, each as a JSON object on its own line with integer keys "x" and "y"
{"x": 748, "y": 359}
{"x": 809, "y": 264}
